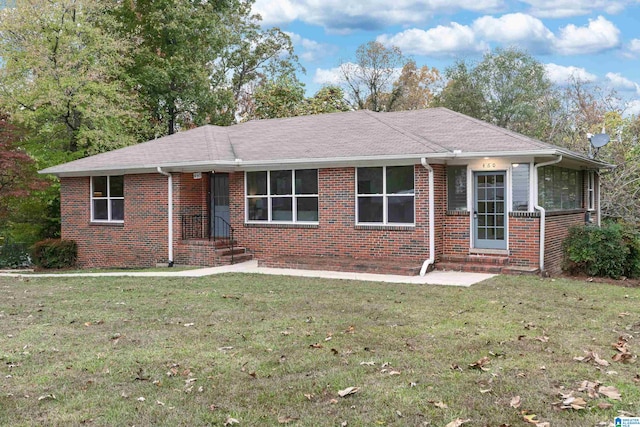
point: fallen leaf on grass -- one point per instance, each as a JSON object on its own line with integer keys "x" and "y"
{"x": 309, "y": 396}
{"x": 351, "y": 329}
{"x": 440, "y": 404}
{"x": 47, "y": 396}
{"x": 348, "y": 391}
{"x": 231, "y": 421}
{"x": 591, "y": 357}
{"x": 316, "y": 345}
{"x": 605, "y": 405}
{"x": 530, "y": 418}
{"x": 230, "y": 297}
{"x": 515, "y": 402}
{"x": 610, "y": 391}
{"x": 543, "y": 338}
{"x": 481, "y": 364}
{"x": 287, "y": 420}
{"x": 457, "y": 422}
{"x": 141, "y": 399}
{"x": 371, "y": 363}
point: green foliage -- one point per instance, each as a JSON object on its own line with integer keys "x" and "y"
{"x": 612, "y": 250}
{"x": 62, "y": 79}
{"x": 55, "y": 253}
{"x": 14, "y": 255}
{"x": 508, "y": 88}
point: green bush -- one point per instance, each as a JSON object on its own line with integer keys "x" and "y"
{"x": 14, "y": 255}
{"x": 612, "y": 250}
{"x": 55, "y": 253}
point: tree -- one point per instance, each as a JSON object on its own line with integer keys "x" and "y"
{"x": 200, "y": 62}
{"x": 280, "y": 98}
{"x": 371, "y": 75}
{"x": 62, "y": 79}
{"x": 18, "y": 174}
{"x": 329, "y": 99}
{"x": 508, "y": 88}
{"x": 414, "y": 89}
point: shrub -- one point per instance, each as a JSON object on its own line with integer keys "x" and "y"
{"x": 14, "y": 255}
{"x": 55, "y": 253}
{"x": 612, "y": 250}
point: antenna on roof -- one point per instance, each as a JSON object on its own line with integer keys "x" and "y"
{"x": 596, "y": 142}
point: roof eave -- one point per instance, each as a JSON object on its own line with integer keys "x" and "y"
{"x": 239, "y": 164}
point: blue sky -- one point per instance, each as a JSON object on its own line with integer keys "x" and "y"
{"x": 596, "y": 40}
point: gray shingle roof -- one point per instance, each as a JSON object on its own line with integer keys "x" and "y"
{"x": 321, "y": 139}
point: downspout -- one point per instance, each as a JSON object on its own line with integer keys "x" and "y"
{"x": 599, "y": 213}
{"x": 432, "y": 220}
{"x": 541, "y": 209}
{"x": 169, "y": 211}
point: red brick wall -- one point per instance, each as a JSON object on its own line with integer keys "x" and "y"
{"x": 336, "y": 234}
{"x": 141, "y": 241}
{"x": 456, "y": 240}
{"x": 524, "y": 239}
{"x": 557, "y": 229}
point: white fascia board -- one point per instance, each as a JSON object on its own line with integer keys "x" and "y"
{"x": 390, "y": 160}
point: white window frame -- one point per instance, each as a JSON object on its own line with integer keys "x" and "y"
{"x": 294, "y": 198}
{"x": 385, "y": 199}
{"x": 591, "y": 190}
{"x": 108, "y": 198}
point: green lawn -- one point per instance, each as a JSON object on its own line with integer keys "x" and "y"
{"x": 270, "y": 350}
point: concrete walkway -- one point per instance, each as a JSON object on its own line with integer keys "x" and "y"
{"x": 450, "y": 278}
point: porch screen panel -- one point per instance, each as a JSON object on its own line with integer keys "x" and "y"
{"x": 560, "y": 188}
{"x": 520, "y": 187}
{"x": 457, "y": 188}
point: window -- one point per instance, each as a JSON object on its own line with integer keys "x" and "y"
{"x": 457, "y": 188}
{"x": 282, "y": 195}
{"x": 385, "y": 195}
{"x": 559, "y": 188}
{"x": 591, "y": 188}
{"x": 107, "y": 198}
{"x": 520, "y": 187}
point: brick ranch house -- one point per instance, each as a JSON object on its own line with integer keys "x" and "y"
{"x": 351, "y": 191}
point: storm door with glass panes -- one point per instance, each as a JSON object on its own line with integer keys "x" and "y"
{"x": 489, "y": 215}
{"x": 220, "y": 217}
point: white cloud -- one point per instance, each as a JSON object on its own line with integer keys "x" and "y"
{"x": 311, "y": 50}
{"x": 597, "y": 36}
{"x": 514, "y": 28}
{"x": 568, "y": 8}
{"x": 344, "y": 16}
{"x": 331, "y": 76}
{"x": 632, "y": 49}
{"x": 276, "y": 12}
{"x": 560, "y": 74}
{"x": 618, "y": 81}
{"x": 441, "y": 40}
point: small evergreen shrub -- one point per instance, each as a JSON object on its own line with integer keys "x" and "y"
{"x": 55, "y": 253}
{"x": 612, "y": 250}
{"x": 14, "y": 255}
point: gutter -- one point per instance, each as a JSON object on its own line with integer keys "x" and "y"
{"x": 432, "y": 220}
{"x": 170, "y": 212}
{"x": 541, "y": 209}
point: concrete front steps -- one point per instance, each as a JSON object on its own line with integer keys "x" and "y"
{"x": 210, "y": 253}
{"x": 481, "y": 263}
{"x": 343, "y": 263}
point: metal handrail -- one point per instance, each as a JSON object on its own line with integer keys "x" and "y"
{"x": 197, "y": 226}
{"x": 230, "y": 233}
